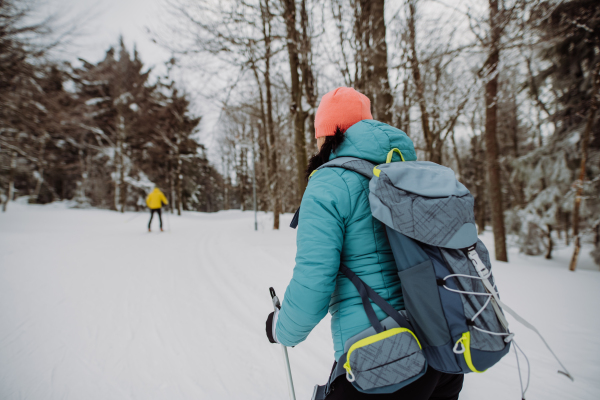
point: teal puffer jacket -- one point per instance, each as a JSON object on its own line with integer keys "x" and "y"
{"x": 336, "y": 225}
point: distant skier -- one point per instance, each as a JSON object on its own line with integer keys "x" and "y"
{"x": 155, "y": 200}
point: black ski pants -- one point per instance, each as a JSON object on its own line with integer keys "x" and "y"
{"x": 158, "y": 211}
{"x": 434, "y": 385}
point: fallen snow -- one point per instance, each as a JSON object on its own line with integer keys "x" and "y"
{"x": 94, "y": 307}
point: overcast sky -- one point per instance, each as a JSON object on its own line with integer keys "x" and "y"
{"x": 101, "y": 22}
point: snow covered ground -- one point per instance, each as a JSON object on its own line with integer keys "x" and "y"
{"x": 94, "y": 307}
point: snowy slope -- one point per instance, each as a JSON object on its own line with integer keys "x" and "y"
{"x": 94, "y": 307}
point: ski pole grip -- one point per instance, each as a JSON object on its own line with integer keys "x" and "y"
{"x": 274, "y": 298}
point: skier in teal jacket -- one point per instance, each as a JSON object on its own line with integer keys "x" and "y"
{"x": 336, "y": 225}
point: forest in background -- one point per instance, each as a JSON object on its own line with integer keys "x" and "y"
{"x": 504, "y": 92}
{"x": 102, "y": 135}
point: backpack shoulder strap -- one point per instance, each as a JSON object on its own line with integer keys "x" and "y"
{"x": 358, "y": 165}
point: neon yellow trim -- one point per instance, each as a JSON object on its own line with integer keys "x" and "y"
{"x": 466, "y": 343}
{"x": 312, "y": 173}
{"x": 376, "y": 171}
{"x": 391, "y": 154}
{"x": 373, "y": 339}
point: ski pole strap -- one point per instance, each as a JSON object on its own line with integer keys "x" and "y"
{"x": 366, "y": 293}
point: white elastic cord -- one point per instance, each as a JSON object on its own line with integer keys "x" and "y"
{"x": 523, "y": 391}
{"x": 520, "y": 377}
{"x": 483, "y": 272}
{"x": 481, "y": 309}
{"x": 463, "y": 292}
{"x": 350, "y": 376}
{"x": 533, "y": 328}
{"x": 490, "y": 296}
{"x": 468, "y": 276}
{"x": 497, "y": 303}
{"x": 492, "y": 333}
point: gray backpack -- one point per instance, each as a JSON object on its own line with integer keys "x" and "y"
{"x": 451, "y": 299}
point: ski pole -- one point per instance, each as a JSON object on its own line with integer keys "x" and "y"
{"x": 168, "y": 221}
{"x": 276, "y": 306}
{"x": 134, "y": 217}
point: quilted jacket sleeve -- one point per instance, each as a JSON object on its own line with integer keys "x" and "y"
{"x": 324, "y": 211}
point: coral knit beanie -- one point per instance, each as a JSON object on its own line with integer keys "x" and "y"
{"x": 342, "y": 107}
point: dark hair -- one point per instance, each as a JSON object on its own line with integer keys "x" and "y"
{"x": 331, "y": 144}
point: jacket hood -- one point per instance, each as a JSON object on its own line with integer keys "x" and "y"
{"x": 372, "y": 141}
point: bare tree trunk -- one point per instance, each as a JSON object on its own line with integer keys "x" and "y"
{"x": 567, "y": 241}
{"x": 119, "y": 162}
{"x": 289, "y": 15}
{"x": 491, "y": 114}
{"x": 83, "y": 165}
{"x": 172, "y": 184}
{"x": 584, "y": 150}
{"x": 419, "y": 85}
{"x": 371, "y": 76}
{"x": 480, "y": 199}
{"x": 123, "y": 183}
{"x": 381, "y": 91}
{"x": 456, "y": 157}
{"x": 179, "y": 185}
{"x": 540, "y": 142}
{"x": 40, "y": 170}
{"x": 11, "y": 181}
{"x": 308, "y": 78}
{"x": 262, "y": 132}
{"x": 362, "y": 41}
{"x": 118, "y": 167}
{"x": 178, "y": 174}
{"x": 550, "y": 243}
{"x": 273, "y": 175}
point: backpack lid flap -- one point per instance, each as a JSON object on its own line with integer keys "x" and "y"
{"x": 424, "y": 178}
{"x": 439, "y": 216}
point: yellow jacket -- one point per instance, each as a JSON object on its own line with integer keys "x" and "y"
{"x": 156, "y": 199}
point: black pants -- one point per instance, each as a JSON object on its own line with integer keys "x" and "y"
{"x": 152, "y": 211}
{"x": 434, "y": 385}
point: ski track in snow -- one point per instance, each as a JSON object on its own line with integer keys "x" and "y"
{"x": 93, "y": 307}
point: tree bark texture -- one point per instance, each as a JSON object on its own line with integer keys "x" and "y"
{"x": 584, "y": 150}
{"x": 179, "y": 186}
{"x": 262, "y": 131}
{"x": 289, "y": 15}
{"x": 118, "y": 168}
{"x": 381, "y": 91}
{"x": 273, "y": 175}
{"x": 456, "y": 157}
{"x": 11, "y": 181}
{"x": 123, "y": 183}
{"x": 550, "y": 243}
{"x": 172, "y": 185}
{"x": 479, "y": 178}
{"x": 40, "y": 169}
{"x": 308, "y": 79}
{"x": 419, "y": 85}
{"x": 491, "y": 123}
{"x": 371, "y": 58}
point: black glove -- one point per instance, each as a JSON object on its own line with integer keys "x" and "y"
{"x": 269, "y": 328}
